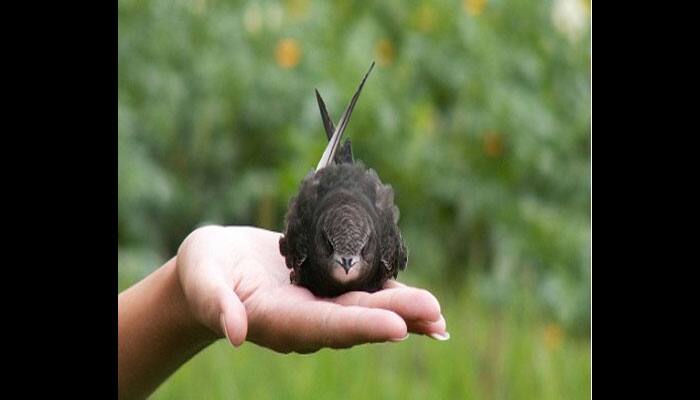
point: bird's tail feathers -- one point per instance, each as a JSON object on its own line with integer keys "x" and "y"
{"x": 329, "y": 153}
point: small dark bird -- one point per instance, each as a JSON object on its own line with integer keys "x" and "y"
{"x": 341, "y": 230}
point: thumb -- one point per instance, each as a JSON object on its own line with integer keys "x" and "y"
{"x": 233, "y": 318}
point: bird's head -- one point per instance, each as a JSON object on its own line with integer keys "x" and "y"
{"x": 345, "y": 241}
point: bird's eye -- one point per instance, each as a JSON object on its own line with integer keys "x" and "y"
{"x": 329, "y": 245}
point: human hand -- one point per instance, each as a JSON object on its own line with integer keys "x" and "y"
{"x": 236, "y": 284}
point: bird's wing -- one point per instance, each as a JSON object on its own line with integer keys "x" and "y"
{"x": 327, "y": 122}
{"x": 332, "y": 146}
{"x": 344, "y": 154}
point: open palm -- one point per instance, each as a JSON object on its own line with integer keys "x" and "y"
{"x": 237, "y": 284}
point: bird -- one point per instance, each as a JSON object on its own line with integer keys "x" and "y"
{"x": 341, "y": 229}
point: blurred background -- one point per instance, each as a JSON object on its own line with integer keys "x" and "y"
{"x": 478, "y": 113}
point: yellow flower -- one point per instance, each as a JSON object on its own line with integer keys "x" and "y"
{"x": 288, "y": 53}
{"x": 493, "y": 144}
{"x": 384, "y": 52}
{"x": 553, "y": 336}
{"x": 474, "y": 7}
{"x": 586, "y": 6}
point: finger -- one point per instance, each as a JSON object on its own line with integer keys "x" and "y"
{"x": 318, "y": 324}
{"x": 409, "y": 303}
{"x": 428, "y": 328}
{"x": 232, "y": 318}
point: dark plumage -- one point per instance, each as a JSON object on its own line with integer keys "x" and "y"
{"x": 341, "y": 229}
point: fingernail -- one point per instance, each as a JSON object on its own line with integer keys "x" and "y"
{"x": 401, "y": 339}
{"x": 223, "y": 326}
{"x": 440, "y": 337}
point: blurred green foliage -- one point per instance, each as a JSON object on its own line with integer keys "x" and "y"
{"x": 478, "y": 113}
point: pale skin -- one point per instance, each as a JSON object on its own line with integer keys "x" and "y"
{"x": 232, "y": 282}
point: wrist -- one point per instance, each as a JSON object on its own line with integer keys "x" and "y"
{"x": 157, "y": 332}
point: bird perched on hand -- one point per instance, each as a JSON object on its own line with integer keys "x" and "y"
{"x": 341, "y": 230}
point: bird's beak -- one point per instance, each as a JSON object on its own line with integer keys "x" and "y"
{"x": 346, "y": 262}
